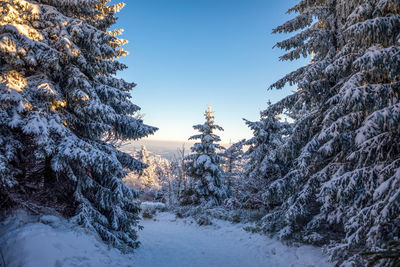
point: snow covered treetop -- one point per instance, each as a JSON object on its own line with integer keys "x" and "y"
{"x": 207, "y": 128}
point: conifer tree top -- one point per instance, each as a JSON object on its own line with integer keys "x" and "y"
{"x": 207, "y": 129}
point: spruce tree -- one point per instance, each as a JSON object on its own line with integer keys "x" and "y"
{"x": 204, "y": 164}
{"x": 264, "y": 163}
{"x": 61, "y": 107}
{"x": 341, "y": 184}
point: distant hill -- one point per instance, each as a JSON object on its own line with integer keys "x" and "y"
{"x": 166, "y": 149}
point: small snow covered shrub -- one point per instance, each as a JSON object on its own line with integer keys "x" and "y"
{"x": 149, "y": 209}
{"x": 252, "y": 229}
{"x": 178, "y": 214}
{"x": 203, "y": 220}
{"x": 218, "y": 212}
{"x": 158, "y": 206}
{"x": 235, "y": 218}
{"x": 148, "y": 214}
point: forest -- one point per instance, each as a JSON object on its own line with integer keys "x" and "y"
{"x": 321, "y": 169}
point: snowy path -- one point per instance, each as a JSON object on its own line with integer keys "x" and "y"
{"x": 48, "y": 241}
{"x": 167, "y": 241}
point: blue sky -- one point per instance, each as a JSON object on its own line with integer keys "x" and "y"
{"x": 185, "y": 54}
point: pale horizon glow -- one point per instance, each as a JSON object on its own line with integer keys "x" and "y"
{"x": 183, "y": 132}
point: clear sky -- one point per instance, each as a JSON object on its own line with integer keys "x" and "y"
{"x": 185, "y": 54}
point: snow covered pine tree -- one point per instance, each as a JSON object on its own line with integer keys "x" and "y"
{"x": 204, "y": 166}
{"x": 264, "y": 162}
{"x": 342, "y": 183}
{"x": 59, "y": 106}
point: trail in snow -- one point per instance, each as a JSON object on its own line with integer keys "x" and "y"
{"x": 167, "y": 241}
{"x": 49, "y": 241}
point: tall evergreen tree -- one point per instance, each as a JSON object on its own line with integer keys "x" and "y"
{"x": 60, "y": 106}
{"x": 204, "y": 164}
{"x": 343, "y": 176}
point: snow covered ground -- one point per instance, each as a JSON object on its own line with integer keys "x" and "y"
{"x": 53, "y": 242}
{"x": 166, "y": 241}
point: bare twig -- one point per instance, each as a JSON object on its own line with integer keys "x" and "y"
{"x": 2, "y": 258}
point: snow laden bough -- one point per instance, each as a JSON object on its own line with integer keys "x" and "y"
{"x": 61, "y": 109}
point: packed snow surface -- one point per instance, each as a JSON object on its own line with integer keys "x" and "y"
{"x": 166, "y": 241}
